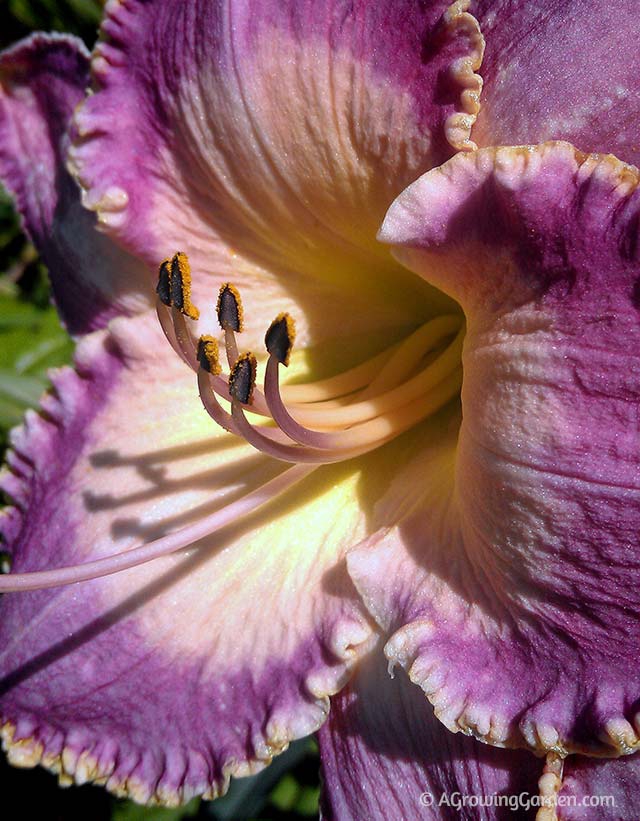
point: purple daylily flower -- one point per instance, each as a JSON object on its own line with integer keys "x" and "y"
{"x": 238, "y": 584}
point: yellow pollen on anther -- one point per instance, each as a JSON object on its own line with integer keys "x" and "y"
{"x": 208, "y": 354}
{"x": 181, "y": 286}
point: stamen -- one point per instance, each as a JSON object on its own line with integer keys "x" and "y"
{"x": 345, "y": 429}
{"x": 208, "y": 355}
{"x": 283, "y": 418}
{"x": 355, "y": 441}
{"x": 189, "y": 351}
{"x": 242, "y": 379}
{"x": 181, "y": 286}
{"x": 215, "y": 410}
{"x": 164, "y": 546}
{"x": 219, "y": 383}
{"x": 231, "y": 319}
{"x": 278, "y": 450}
{"x": 382, "y": 372}
{"x": 184, "y": 338}
{"x": 241, "y": 387}
{"x": 174, "y": 304}
{"x": 389, "y": 401}
{"x": 315, "y": 446}
{"x": 342, "y": 384}
{"x": 165, "y": 319}
{"x": 280, "y": 337}
{"x": 362, "y": 425}
{"x": 211, "y": 404}
{"x": 361, "y": 434}
{"x": 410, "y": 352}
{"x": 163, "y": 288}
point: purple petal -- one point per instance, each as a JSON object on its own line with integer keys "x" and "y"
{"x": 42, "y": 79}
{"x": 384, "y": 755}
{"x": 593, "y": 788}
{"x": 556, "y": 70}
{"x": 164, "y": 680}
{"x": 511, "y": 582}
{"x": 273, "y": 134}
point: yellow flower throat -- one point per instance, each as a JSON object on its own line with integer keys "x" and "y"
{"x": 320, "y": 422}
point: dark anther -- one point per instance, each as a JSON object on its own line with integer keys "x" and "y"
{"x": 279, "y": 338}
{"x": 242, "y": 378}
{"x": 229, "y": 308}
{"x": 163, "y": 288}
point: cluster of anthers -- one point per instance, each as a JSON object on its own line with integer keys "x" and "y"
{"x": 306, "y": 425}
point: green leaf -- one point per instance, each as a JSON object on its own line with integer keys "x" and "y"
{"x": 248, "y": 798}
{"x": 285, "y": 795}
{"x": 88, "y": 11}
{"x": 308, "y": 801}
{"x": 31, "y": 338}
{"x": 23, "y": 389}
{"x": 31, "y": 341}
{"x": 76, "y": 16}
{"x": 128, "y": 811}
{"x": 291, "y": 797}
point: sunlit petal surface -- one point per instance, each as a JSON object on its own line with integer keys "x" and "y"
{"x": 267, "y": 139}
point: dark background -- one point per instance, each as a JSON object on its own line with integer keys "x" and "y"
{"x": 31, "y": 341}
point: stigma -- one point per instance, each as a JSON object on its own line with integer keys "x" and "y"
{"x": 304, "y": 426}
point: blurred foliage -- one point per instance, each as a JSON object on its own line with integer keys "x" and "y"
{"x": 20, "y": 17}
{"x": 31, "y": 341}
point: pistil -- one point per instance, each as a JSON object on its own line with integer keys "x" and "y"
{"x": 164, "y": 546}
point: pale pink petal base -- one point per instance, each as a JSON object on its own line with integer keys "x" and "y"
{"x": 143, "y": 680}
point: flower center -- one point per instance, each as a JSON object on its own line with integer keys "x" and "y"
{"x": 321, "y": 422}
{"x": 306, "y": 425}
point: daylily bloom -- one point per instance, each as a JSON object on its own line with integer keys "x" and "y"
{"x": 484, "y": 549}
